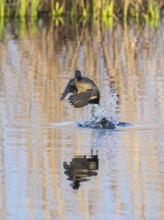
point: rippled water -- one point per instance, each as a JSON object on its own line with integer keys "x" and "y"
{"x": 50, "y": 168}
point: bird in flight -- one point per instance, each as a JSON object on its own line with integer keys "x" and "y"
{"x": 84, "y": 91}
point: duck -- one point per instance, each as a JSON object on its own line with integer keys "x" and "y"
{"x": 84, "y": 91}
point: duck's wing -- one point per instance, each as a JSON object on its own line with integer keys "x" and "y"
{"x": 70, "y": 88}
{"x": 80, "y": 99}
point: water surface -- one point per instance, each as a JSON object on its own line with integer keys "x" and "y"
{"x": 39, "y": 136}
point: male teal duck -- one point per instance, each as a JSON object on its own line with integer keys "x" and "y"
{"x": 84, "y": 91}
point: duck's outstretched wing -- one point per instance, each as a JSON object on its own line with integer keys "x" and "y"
{"x": 70, "y": 88}
{"x": 81, "y": 99}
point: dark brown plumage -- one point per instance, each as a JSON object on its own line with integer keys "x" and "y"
{"x": 84, "y": 91}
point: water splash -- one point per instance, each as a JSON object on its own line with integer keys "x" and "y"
{"x": 101, "y": 117}
{"x": 110, "y": 105}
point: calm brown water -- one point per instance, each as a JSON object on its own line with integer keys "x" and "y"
{"x": 39, "y": 136}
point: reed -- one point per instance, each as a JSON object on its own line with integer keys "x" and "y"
{"x": 35, "y": 8}
{"x": 22, "y": 8}
{"x": 2, "y": 8}
{"x": 80, "y": 9}
{"x": 1, "y": 28}
{"x": 126, "y": 7}
{"x": 57, "y": 10}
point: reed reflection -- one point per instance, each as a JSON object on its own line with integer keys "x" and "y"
{"x": 81, "y": 168}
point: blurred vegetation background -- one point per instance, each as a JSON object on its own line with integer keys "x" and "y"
{"x": 82, "y": 9}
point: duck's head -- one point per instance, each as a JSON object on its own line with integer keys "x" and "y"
{"x": 78, "y": 75}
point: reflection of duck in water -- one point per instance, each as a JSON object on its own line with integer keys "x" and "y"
{"x": 80, "y": 168}
{"x": 84, "y": 91}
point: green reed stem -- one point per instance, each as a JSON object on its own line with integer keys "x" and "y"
{"x": 34, "y": 7}
{"x": 111, "y": 8}
{"x": 2, "y": 8}
{"x": 1, "y": 28}
{"x": 22, "y": 11}
{"x": 151, "y": 8}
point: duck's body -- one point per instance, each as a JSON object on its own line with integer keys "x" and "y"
{"x": 84, "y": 91}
